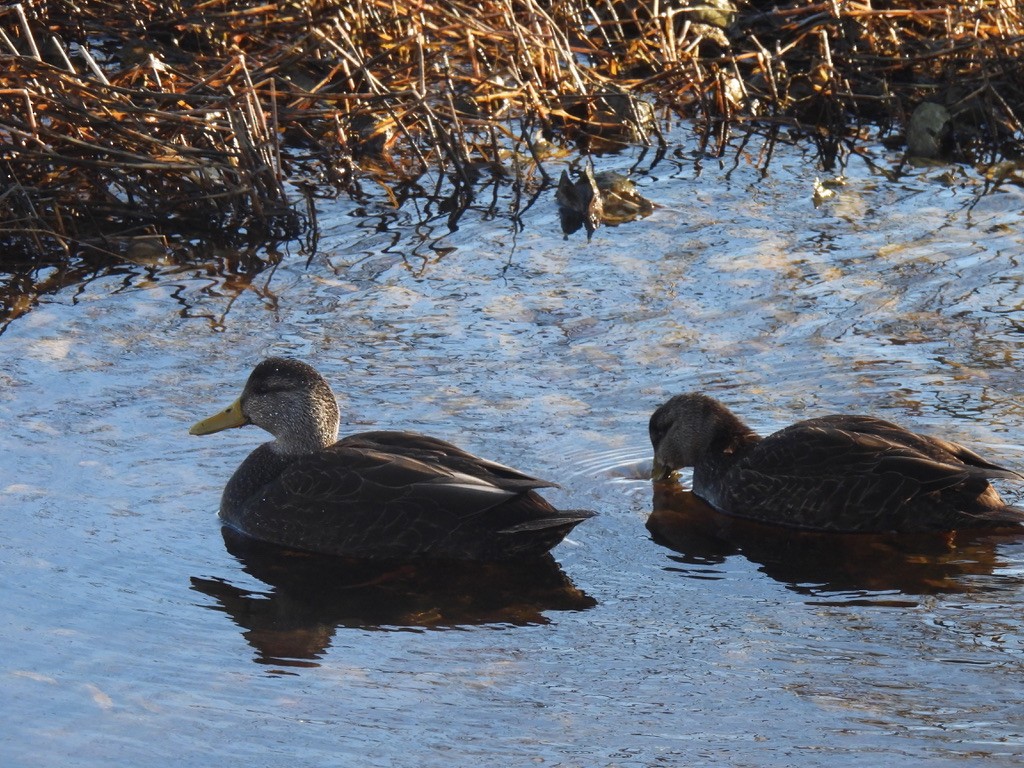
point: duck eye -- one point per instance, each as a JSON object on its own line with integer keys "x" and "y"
{"x": 270, "y": 386}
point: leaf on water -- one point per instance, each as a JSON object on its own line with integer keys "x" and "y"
{"x": 823, "y": 190}
{"x": 34, "y": 676}
{"x": 102, "y": 700}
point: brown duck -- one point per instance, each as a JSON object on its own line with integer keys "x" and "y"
{"x": 833, "y": 473}
{"x": 377, "y": 495}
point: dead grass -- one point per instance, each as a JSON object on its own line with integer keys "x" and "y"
{"x": 190, "y": 121}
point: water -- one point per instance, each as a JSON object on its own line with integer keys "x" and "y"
{"x": 134, "y": 635}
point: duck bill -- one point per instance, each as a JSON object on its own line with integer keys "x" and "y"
{"x": 660, "y": 471}
{"x": 229, "y": 418}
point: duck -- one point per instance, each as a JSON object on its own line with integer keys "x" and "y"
{"x": 841, "y": 473}
{"x": 595, "y": 199}
{"x": 381, "y": 495}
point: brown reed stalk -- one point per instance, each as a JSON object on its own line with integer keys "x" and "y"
{"x": 193, "y": 131}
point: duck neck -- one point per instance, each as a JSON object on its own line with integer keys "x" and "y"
{"x": 732, "y": 441}
{"x": 315, "y": 430}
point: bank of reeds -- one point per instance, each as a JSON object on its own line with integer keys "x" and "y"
{"x": 209, "y": 121}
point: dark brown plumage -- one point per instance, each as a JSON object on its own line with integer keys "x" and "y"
{"x": 378, "y": 495}
{"x": 833, "y": 473}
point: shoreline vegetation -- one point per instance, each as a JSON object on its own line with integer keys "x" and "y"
{"x": 146, "y": 128}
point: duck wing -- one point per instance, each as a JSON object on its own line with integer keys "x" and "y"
{"x": 850, "y": 473}
{"x": 354, "y": 501}
{"x": 935, "y": 448}
{"x": 441, "y": 453}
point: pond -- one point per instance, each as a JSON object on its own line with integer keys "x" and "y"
{"x": 136, "y": 634}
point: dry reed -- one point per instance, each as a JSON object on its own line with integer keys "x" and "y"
{"x": 188, "y": 120}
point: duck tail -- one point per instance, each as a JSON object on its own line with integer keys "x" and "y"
{"x": 1007, "y": 515}
{"x": 1001, "y": 472}
{"x": 564, "y": 519}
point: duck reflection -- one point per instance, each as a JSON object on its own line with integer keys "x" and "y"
{"x": 817, "y": 563}
{"x": 311, "y": 595}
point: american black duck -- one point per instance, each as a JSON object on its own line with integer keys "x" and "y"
{"x": 833, "y": 473}
{"x": 376, "y": 495}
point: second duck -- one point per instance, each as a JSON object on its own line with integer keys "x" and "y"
{"x": 832, "y": 473}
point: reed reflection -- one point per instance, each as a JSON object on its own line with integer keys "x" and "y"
{"x": 311, "y": 596}
{"x": 819, "y": 564}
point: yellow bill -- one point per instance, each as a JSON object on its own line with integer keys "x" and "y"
{"x": 230, "y": 417}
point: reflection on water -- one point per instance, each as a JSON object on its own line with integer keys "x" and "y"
{"x": 872, "y": 567}
{"x": 311, "y": 596}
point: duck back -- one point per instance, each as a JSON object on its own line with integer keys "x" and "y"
{"x": 856, "y": 473}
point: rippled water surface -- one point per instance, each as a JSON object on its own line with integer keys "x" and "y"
{"x": 135, "y": 634}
